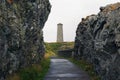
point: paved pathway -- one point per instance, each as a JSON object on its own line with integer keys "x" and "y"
{"x": 62, "y": 69}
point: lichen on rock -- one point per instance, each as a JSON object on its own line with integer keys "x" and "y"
{"x": 98, "y": 41}
{"x": 21, "y": 36}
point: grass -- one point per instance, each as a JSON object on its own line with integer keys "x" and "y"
{"x": 14, "y": 76}
{"x": 86, "y": 67}
{"x": 34, "y": 72}
{"x": 30, "y": 73}
{"x": 38, "y": 71}
{"x": 54, "y": 47}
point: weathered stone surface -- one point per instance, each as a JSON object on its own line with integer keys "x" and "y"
{"x": 21, "y": 36}
{"x": 98, "y": 41}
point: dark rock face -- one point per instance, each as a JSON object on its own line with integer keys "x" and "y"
{"x": 21, "y": 36}
{"x": 98, "y": 41}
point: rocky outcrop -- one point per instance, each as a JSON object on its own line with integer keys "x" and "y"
{"x": 98, "y": 41}
{"x": 21, "y": 36}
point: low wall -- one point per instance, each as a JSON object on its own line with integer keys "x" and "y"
{"x": 65, "y": 53}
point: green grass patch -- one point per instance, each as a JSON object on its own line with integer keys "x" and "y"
{"x": 86, "y": 67}
{"x": 54, "y": 47}
{"x": 33, "y": 72}
{"x": 45, "y": 67}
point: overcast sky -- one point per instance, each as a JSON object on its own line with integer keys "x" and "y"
{"x": 69, "y": 13}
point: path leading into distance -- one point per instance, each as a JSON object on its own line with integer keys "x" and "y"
{"x": 63, "y": 69}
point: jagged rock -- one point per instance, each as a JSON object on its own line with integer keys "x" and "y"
{"x": 98, "y": 41}
{"x": 21, "y": 36}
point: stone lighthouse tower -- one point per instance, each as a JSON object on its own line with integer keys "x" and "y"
{"x": 59, "y": 32}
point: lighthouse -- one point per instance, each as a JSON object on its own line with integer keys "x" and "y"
{"x": 60, "y": 32}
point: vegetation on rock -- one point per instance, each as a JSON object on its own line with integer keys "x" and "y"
{"x": 33, "y": 72}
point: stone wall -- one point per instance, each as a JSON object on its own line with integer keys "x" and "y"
{"x": 21, "y": 36}
{"x": 98, "y": 41}
{"x": 67, "y": 53}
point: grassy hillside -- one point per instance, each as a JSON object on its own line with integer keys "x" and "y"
{"x": 54, "y": 47}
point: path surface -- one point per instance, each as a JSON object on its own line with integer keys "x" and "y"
{"x": 62, "y": 69}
